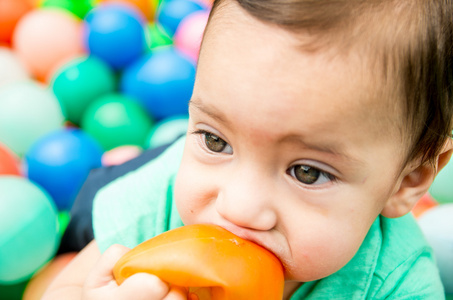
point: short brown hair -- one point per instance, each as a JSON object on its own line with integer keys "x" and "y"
{"x": 417, "y": 51}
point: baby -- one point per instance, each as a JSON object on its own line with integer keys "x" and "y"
{"x": 315, "y": 126}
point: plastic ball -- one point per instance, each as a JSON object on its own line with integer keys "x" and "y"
{"x": 162, "y": 82}
{"x": 190, "y": 33}
{"x": 46, "y": 38}
{"x": 437, "y": 226}
{"x": 441, "y": 189}
{"x": 41, "y": 280}
{"x": 28, "y": 227}
{"x": 120, "y": 155}
{"x": 208, "y": 3}
{"x": 167, "y": 131}
{"x": 78, "y": 7}
{"x": 13, "y": 291}
{"x": 63, "y": 221}
{"x": 115, "y": 120}
{"x": 425, "y": 203}
{"x": 12, "y": 69}
{"x": 172, "y": 12}
{"x": 146, "y": 7}
{"x": 61, "y": 161}
{"x": 10, "y": 13}
{"x": 79, "y": 83}
{"x": 156, "y": 36}
{"x": 9, "y": 163}
{"x": 27, "y": 112}
{"x": 115, "y": 33}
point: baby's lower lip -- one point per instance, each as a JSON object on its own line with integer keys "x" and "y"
{"x": 248, "y": 235}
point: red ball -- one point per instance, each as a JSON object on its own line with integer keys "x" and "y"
{"x": 10, "y": 13}
{"x": 9, "y": 163}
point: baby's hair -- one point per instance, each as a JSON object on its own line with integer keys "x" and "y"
{"x": 410, "y": 40}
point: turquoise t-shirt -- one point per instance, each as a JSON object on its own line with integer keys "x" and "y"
{"x": 393, "y": 262}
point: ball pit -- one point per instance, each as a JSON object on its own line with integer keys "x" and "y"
{"x": 79, "y": 83}
{"x": 28, "y": 226}
{"x": 46, "y": 38}
{"x": 162, "y": 82}
{"x": 51, "y": 43}
{"x": 27, "y": 112}
{"x": 115, "y": 33}
{"x": 116, "y": 120}
{"x": 61, "y": 161}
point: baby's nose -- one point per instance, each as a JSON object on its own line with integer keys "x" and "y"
{"x": 248, "y": 202}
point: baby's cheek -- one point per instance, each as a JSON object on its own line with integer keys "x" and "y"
{"x": 321, "y": 256}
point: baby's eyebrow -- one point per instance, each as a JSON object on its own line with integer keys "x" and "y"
{"x": 212, "y": 112}
{"x": 332, "y": 149}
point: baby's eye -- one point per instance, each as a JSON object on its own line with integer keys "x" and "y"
{"x": 215, "y": 143}
{"x": 310, "y": 175}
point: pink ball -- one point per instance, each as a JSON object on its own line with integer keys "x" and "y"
{"x": 120, "y": 155}
{"x": 46, "y": 38}
{"x": 190, "y": 32}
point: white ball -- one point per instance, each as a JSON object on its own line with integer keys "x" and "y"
{"x": 12, "y": 69}
{"x": 437, "y": 225}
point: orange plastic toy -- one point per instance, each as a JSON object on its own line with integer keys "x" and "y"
{"x": 211, "y": 261}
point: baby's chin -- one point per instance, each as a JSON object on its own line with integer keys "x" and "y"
{"x": 304, "y": 272}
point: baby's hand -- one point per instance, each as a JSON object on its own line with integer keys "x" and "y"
{"x": 100, "y": 283}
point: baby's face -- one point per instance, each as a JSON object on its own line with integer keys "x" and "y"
{"x": 286, "y": 149}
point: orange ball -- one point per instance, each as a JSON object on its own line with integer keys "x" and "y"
{"x": 41, "y": 280}
{"x": 47, "y": 38}
{"x": 10, "y": 13}
{"x": 147, "y": 7}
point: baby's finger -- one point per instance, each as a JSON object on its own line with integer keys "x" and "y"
{"x": 177, "y": 293}
{"x": 101, "y": 274}
{"x": 144, "y": 286}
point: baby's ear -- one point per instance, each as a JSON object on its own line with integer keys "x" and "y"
{"x": 415, "y": 182}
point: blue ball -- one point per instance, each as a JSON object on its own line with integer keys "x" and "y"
{"x": 162, "y": 82}
{"x": 172, "y": 12}
{"x": 61, "y": 161}
{"x": 115, "y": 33}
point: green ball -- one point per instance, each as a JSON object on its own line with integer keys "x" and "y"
{"x": 167, "y": 131}
{"x": 28, "y": 229}
{"x": 441, "y": 189}
{"x": 79, "y": 83}
{"x": 63, "y": 221}
{"x": 28, "y": 111}
{"x": 78, "y": 7}
{"x": 117, "y": 120}
{"x": 13, "y": 291}
{"x": 156, "y": 36}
